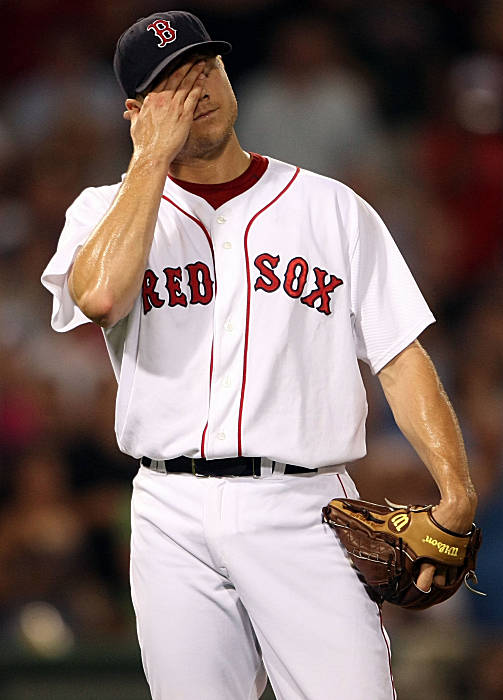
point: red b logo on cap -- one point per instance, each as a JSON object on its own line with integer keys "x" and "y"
{"x": 163, "y": 30}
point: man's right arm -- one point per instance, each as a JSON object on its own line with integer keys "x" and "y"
{"x": 107, "y": 273}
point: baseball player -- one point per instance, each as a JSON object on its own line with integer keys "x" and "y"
{"x": 236, "y": 294}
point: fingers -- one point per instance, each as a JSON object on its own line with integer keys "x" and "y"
{"x": 186, "y": 81}
{"x": 428, "y": 574}
{"x": 194, "y": 95}
{"x": 184, "y": 78}
{"x": 165, "y": 115}
{"x": 189, "y": 91}
{"x": 425, "y": 578}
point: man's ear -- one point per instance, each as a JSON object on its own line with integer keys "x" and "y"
{"x": 132, "y": 105}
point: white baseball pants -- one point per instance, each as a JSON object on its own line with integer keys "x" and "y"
{"x": 231, "y": 575}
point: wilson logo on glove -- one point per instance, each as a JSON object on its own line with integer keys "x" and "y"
{"x": 399, "y": 522}
{"x": 442, "y": 547}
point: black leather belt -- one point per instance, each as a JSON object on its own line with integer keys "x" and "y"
{"x": 234, "y": 466}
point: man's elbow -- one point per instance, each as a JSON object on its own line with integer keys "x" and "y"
{"x": 101, "y": 308}
{"x": 99, "y": 304}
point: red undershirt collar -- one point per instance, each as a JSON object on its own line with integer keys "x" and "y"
{"x": 219, "y": 194}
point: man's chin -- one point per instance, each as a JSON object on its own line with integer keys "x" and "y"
{"x": 204, "y": 147}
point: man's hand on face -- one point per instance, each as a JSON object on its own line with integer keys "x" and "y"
{"x": 160, "y": 124}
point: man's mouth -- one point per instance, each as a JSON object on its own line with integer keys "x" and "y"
{"x": 205, "y": 114}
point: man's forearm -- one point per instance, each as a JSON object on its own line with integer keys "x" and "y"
{"x": 425, "y": 416}
{"x": 107, "y": 274}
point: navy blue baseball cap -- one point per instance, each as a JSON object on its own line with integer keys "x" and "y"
{"x": 153, "y": 42}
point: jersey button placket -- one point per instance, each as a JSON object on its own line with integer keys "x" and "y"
{"x": 228, "y": 351}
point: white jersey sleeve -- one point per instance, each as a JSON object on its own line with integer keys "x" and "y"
{"x": 389, "y": 311}
{"x": 81, "y": 218}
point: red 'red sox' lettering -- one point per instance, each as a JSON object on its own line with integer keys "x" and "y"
{"x": 322, "y": 291}
{"x": 296, "y": 275}
{"x": 199, "y": 285}
{"x": 173, "y": 279}
{"x": 150, "y": 297}
{"x": 271, "y": 282}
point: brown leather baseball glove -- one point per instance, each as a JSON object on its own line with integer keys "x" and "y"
{"x": 388, "y": 544}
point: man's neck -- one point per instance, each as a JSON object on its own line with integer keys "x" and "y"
{"x": 228, "y": 164}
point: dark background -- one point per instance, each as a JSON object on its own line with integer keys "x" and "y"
{"x": 401, "y": 100}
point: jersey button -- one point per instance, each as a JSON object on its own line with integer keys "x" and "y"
{"x": 221, "y": 219}
{"x": 221, "y": 436}
{"x": 227, "y": 245}
{"x": 228, "y": 326}
{"x": 227, "y": 382}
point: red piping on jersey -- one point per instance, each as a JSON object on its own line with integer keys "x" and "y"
{"x": 340, "y": 479}
{"x": 196, "y": 221}
{"x": 389, "y": 656}
{"x": 211, "y": 375}
{"x": 210, "y": 243}
{"x": 245, "y": 359}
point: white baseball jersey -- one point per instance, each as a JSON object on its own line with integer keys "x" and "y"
{"x": 245, "y": 337}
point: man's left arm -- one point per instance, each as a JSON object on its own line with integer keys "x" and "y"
{"x": 426, "y": 418}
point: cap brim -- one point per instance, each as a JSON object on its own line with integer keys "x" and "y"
{"x": 219, "y": 47}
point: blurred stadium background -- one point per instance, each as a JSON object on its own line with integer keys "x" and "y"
{"x": 400, "y": 99}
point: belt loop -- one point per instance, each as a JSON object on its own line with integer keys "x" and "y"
{"x": 157, "y": 465}
{"x": 279, "y": 467}
{"x": 266, "y": 466}
{"x": 256, "y": 468}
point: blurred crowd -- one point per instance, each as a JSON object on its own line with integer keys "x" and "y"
{"x": 403, "y": 101}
